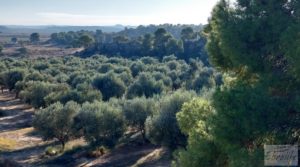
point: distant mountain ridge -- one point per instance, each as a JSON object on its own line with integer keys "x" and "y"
{"x": 130, "y": 31}
{"x": 12, "y": 29}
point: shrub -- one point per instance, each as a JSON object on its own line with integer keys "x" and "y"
{"x": 34, "y": 37}
{"x": 22, "y": 51}
{"x": 100, "y": 123}
{"x": 193, "y": 120}
{"x": 109, "y": 85}
{"x": 51, "y": 151}
{"x": 56, "y": 121}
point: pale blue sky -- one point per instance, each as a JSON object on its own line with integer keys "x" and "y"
{"x": 104, "y": 12}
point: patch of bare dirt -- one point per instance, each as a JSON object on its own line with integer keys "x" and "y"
{"x": 16, "y": 139}
{"x": 45, "y": 50}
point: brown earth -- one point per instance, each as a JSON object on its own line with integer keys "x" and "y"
{"x": 35, "y": 51}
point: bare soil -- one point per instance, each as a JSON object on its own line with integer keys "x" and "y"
{"x": 46, "y": 50}
{"x": 17, "y": 142}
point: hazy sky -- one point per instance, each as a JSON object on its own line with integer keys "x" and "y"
{"x": 104, "y": 12}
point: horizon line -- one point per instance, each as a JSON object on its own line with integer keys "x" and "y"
{"x": 114, "y": 25}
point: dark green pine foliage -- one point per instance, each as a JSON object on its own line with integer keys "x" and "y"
{"x": 257, "y": 43}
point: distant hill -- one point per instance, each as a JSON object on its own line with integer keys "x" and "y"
{"x": 55, "y": 29}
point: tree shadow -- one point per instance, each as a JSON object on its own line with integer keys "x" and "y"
{"x": 14, "y": 122}
{"x": 125, "y": 156}
{"x": 25, "y": 153}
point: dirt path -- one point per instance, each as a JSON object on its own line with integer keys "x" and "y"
{"x": 16, "y": 139}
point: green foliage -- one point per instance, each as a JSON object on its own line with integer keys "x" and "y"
{"x": 104, "y": 68}
{"x": 136, "y": 68}
{"x": 193, "y": 114}
{"x": 180, "y": 40}
{"x": 187, "y": 34}
{"x": 86, "y": 40}
{"x": 254, "y": 43}
{"x": 78, "y": 78}
{"x": 51, "y": 83}
{"x": 34, "y": 37}
{"x": 109, "y": 85}
{"x": 194, "y": 121}
{"x": 57, "y": 121}
{"x": 14, "y": 39}
{"x": 100, "y": 123}
{"x": 83, "y": 93}
{"x": 236, "y": 39}
{"x": 41, "y": 66}
{"x": 162, "y": 128}
{"x": 35, "y": 92}
{"x": 22, "y": 51}
{"x": 34, "y": 76}
{"x": 137, "y": 110}
{"x": 145, "y": 85}
{"x": 203, "y": 80}
{"x": 251, "y": 117}
{"x": 11, "y": 77}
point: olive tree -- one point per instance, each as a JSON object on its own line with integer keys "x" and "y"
{"x": 11, "y": 77}
{"x": 109, "y": 85}
{"x": 137, "y": 110}
{"x": 57, "y": 121}
{"x": 145, "y": 85}
{"x": 162, "y": 128}
{"x": 100, "y": 123}
{"x": 35, "y": 92}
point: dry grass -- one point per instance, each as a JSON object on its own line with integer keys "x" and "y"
{"x": 7, "y": 144}
{"x": 20, "y": 137}
{"x": 74, "y": 144}
{"x": 156, "y": 155}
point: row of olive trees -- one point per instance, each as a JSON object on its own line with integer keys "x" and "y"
{"x": 99, "y": 123}
{"x": 112, "y": 77}
{"x": 104, "y": 123}
{"x": 89, "y": 94}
